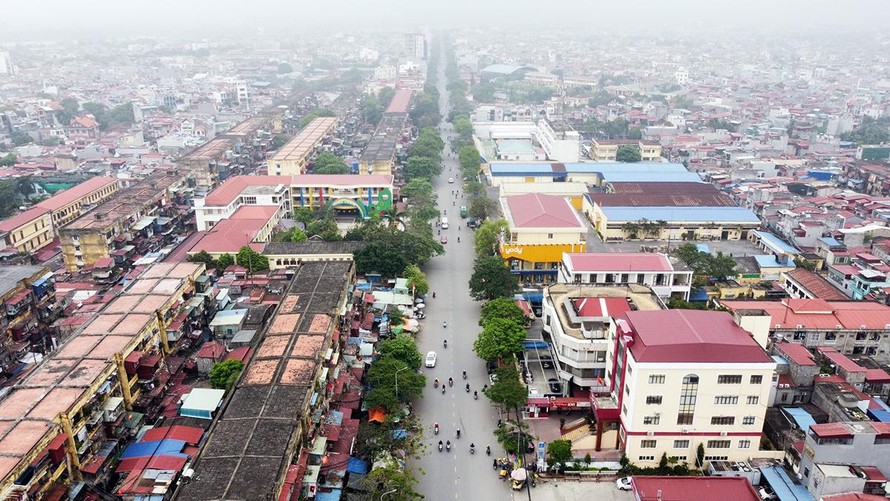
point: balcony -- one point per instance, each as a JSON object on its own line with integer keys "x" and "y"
{"x": 605, "y": 407}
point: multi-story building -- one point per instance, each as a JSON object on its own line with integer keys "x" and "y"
{"x": 66, "y": 421}
{"x": 606, "y": 150}
{"x": 683, "y": 378}
{"x": 294, "y": 156}
{"x": 850, "y": 327}
{"x": 666, "y": 277}
{"x": 38, "y": 226}
{"x": 578, "y": 320}
{"x": 127, "y": 216}
{"x": 859, "y": 444}
{"x": 202, "y": 165}
{"x": 393, "y": 131}
{"x": 540, "y": 229}
{"x": 25, "y": 296}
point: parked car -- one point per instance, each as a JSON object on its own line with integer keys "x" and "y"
{"x": 430, "y": 359}
{"x": 623, "y": 483}
{"x": 555, "y": 385}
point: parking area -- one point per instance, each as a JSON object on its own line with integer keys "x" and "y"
{"x": 561, "y": 490}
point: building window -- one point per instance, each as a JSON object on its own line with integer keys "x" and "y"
{"x": 719, "y": 444}
{"x": 830, "y": 336}
{"x": 647, "y": 458}
{"x": 624, "y": 409}
{"x": 722, "y": 420}
{"x": 648, "y": 444}
{"x": 550, "y": 236}
{"x": 756, "y": 379}
{"x": 744, "y": 444}
{"x": 677, "y": 459}
{"x": 656, "y": 379}
{"x": 688, "y": 393}
{"x": 716, "y": 458}
{"x": 882, "y": 439}
{"x": 753, "y": 400}
{"x": 681, "y": 444}
{"x": 726, "y": 400}
{"x": 653, "y": 400}
{"x": 627, "y": 390}
{"x": 651, "y": 419}
{"x": 729, "y": 379}
{"x": 748, "y": 420}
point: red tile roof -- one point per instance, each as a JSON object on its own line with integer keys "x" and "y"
{"x": 233, "y": 187}
{"x": 535, "y": 210}
{"x": 229, "y": 235}
{"x": 260, "y": 212}
{"x": 839, "y": 359}
{"x": 819, "y": 314}
{"x": 400, "y": 101}
{"x": 796, "y": 353}
{"x": 21, "y": 219}
{"x": 693, "y": 489}
{"x": 75, "y": 193}
{"x": 673, "y": 336}
{"x": 816, "y": 285}
{"x": 618, "y": 261}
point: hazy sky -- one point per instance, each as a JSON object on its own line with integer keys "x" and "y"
{"x": 33, "y": 19}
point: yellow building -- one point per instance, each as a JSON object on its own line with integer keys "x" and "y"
{"x": 68, "y": 205}
{"x": 606, "y": 150}
{"x": 682, "y": 378}
{"x": 540, "y": 229}
{"x": 28, "y": 231}
{"x": 294, "y": 156}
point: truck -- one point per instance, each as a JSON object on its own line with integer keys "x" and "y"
{"x": 463, "y": 211}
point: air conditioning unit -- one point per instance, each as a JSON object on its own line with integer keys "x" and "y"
{"x": 784, "y": 386}
{"x": 778, "y": 326}
{"x": 650, "y": 433}
{"x": 824, "y": 375}
{"x": 723, "y": 433}
{"x": 800, "y": 326}
{"x": 684, "y": 430}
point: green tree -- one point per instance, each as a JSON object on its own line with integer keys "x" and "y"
{"x": 225, "y": 261}
{"x": 422, "y": 167}
{"x": 403, "y": 348}
{"x": 469, "y": 160}
{"x": 24, "y": 186}
{"x": 325, "y": 228}
{"x": 8, "y": 160}
{"x": 463, "y": 126}
{"x": 482, "y": 208}
{"x": 70, "y": 109}
{"x": 20, "y": 138}
{"x": 503, "y": 308}
{"x": 224, "y": 374}
{"x": 628, "y": 153}
{"x": 385, "y": 95}
{"x": 291, "y": 235}
{"x": 870, "y": 131}
{"x": 491, "y": 279}
{"x": 500, "y": 339}
{"x": 560, "y": 452}
{"x": 372, "y": 110}
{"x": 514, "y": 436}
{"x": 328, "y": 163}
{"x": 202, "y": 257}
{"x": 419, "y": 189}
{"x": 392, "y": 482}
{"x": 280, "y": 140}
{"x": 284, "y": 68}
{"x": 316, "y": 113}
{"x": 252, "y": 260}
{"x": 509, "y": 390}
{"x": 488, "y": 236}
{"x": 416, "y": 279}
{"x": 304, "y": 215}
{"x": 384, "y": 375}
{"x": 389, "y": 250}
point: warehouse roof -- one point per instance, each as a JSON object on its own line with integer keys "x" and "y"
{"x": 681, "y": 214}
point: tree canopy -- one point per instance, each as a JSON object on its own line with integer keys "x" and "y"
{"x": 422, "y": 167}
{"x": 628, "y": 153}
{"x": 491, "y": 279}
{"x": 488, "y": 235}
{"x": 416, "y": 279}
{"x": 560, "y": 452}
{"x": 252, "y": 260}
{"x": 508, "y": 390}
{"x": 870, "y": 131}
{"x": 328, "y": 163}
{"x": 120, "y": 114}
{"x": 418, "y": 189}
{"x": 291, "y": 235}
{"x": 482, "y": 207}
{"x": 501, "y": 308}
{"x": 500, "y": 339}
{"x": 392, "y": 482}
{"x": 389, "y": 250}
{"x": 719, "y": 266}
{"x": 382, "y": 378}
{"x": 401, "y": 347}
{"x": 224, "y": 374}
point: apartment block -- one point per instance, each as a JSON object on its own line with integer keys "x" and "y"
{"x": 683, "y": 378}
{"x": 67, "y": 420}
{"x": 126, "y": 218}
{"x": 862, "y": 444}
{"x": 578, "y": 320}
{"x": 293, "y": 157}
{"x": 606, "y": 150}
{"x": 26, "y": 294}
{"x": 668, "y": 277}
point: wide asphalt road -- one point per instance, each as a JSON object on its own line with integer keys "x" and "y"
{"x": 455, "y": 474}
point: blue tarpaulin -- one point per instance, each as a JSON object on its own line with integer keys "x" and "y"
{"x": 803, "y": 418}
{"x": 783, "y": 486}
{"x": 356, "y": 465}
{"x": 334, "y": 495}
{"x": 153, "y": 448}
{"x": 530, "y": 344}
{"x": 698, "y": 295}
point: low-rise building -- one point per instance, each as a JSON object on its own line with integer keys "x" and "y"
{"x": 666, "y": 276}
{"x": 861, "y": 443}
{"x": 28, "y": 231}
{"x": 801, "y": 283}
{"x": 606, "y": 150}
{"x": 692, "y": 489}
{"x": 540, "y": 229}
{"x": 25, "y": 295}
{"x": 683, "y": 378}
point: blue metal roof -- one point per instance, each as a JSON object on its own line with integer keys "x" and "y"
{"x": 831, "y": 241}
{"x": 333, "y": 495}
{"x": 607, "y": 168}
{"x": 356, "y": 465}
{"x": 681, "y": 214}
{"x": 523, "y": 169}
{"x": 652, "y": 177}
{"x": 802, "y": 418}
{"x": 770, "y": 261}
{"x": 783, "y": 486}
{"x": 775, "y": 243}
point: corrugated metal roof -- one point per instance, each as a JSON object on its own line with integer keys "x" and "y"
{"x": 681, "y": 214}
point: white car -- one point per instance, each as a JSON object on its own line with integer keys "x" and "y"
{"x": 623, "y": 483}
{"x": 431, "y": 359}
{"x": 450, "y": 179}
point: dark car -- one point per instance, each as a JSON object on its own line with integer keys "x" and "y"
{"x": 555, "y": 385}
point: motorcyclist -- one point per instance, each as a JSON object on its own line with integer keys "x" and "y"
{"x": 465, "y": 374}
{"x": 448, "y": 445}
{"x": 436, "y": 383}
{"x": 458, "y": 239}
{"x": 458, "y": 433}
{"x": 472, "y": 447}
{"x": 488, "y": 450}
{"x": 440, "y": 445}
{"x": 450, "y": 382}
{"x": 443, "y": 389}
{"x": 445, "y": 343}
{"x": 475, "y": 395}
{"x": 436, "y": 427}
{"x": 444, "y": 324}
{"x": 434, "y": 295}
{"x": 468, "y": 387}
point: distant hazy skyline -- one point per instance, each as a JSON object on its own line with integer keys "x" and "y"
{"x": 66, "y": 19}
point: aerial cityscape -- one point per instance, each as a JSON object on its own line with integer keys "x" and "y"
{"x": 496, "y": 250}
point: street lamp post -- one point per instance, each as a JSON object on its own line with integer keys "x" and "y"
{"x": 397, "y": 379}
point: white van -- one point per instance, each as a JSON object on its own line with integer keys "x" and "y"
{"x": 444, "y": 223}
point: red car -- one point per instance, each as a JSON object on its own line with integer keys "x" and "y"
{"x": 444, "y": 239}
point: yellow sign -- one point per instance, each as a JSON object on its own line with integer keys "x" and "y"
{"x": 544, "y": 253}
